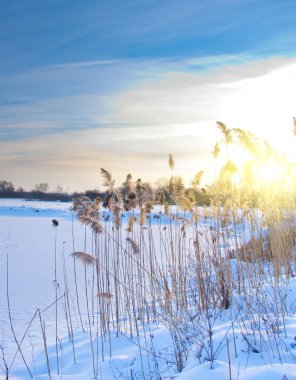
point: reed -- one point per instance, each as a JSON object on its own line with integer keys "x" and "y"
{"x": 189, "y": 266}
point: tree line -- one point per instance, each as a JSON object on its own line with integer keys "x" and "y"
{"x": 41, "y": 191}
{"x": 131, "y": 192}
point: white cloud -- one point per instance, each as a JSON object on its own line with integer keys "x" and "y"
{"x": 256, "y": 96}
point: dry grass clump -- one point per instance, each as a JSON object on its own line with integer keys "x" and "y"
{"x": 252, "y": 250}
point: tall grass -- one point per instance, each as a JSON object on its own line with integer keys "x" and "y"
{"x": 188, "y": 272}
{"x": 188, "y": 267}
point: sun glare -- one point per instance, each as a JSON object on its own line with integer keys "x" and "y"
{"x": 274, "y": 175}
{"x": 264, "y": 170}
{"x": 269, "y": 172}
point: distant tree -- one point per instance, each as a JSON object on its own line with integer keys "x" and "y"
{"x": 6, "y": 186}
{"x": 140, "y": 188}
{"x": 161, "y": 190}
{"x": 59, "y": 189}
{"x": 127, "y": 186}
{"x": 179, "y": 188}
{"x": 171, "y": 186}
{"x": 149, "y": 192}
{"x": 161, "y": 183}
{"x": 42, "y": 187}
{"x": 92, "y": 194}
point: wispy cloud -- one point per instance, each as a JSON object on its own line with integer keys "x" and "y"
{"x": 121, "y": 84}
{"x": 190, "y": 97}
{"x": 56, "y": 32}
{"x": 85, "y": 95}
{"x": 160, "y": 107}
{"x": 82, "y": 153}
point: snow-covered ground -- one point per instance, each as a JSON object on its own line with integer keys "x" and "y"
{"x": 28, "y": 243}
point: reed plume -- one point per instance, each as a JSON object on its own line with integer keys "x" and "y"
{"x": 148, "y": 207}
{"x": 131, "y": 223}
{"x": 109, "y": 182}
{"x": 142, "y": 218}
{"x": 93, "y": 223}
{"x": 117, "y": 216}
{"x": 85, "y": 258}
{"x": 134, "y": 245}
{"x": 171, "y": 162}
{"x": 104, "y": 295}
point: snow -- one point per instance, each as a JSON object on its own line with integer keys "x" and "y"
{"x": 29, "y": 242}
{"x": 20, "y": 207}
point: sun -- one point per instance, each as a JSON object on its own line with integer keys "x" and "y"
{"x": 277, "y": 171}
{"x": 265, "y": 171}
{"x": 275, "y": 174}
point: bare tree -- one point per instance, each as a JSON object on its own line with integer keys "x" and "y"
{"x": 43, "y": 187}
{"x": 6, "y": 186}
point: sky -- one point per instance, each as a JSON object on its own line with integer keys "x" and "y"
{"x": 119, "y": 85}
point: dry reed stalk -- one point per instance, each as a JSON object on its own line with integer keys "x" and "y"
{"x": 45, "y": 344}
{"x": 56, "y": 297}
{"x": 229, "y": 361}
{"x": 148, "y": 282}
{"x": 88, "y": 260}
{"x": 10, "y": 319}
{"x": 75, "y": 272}
{"x": 5, "y": 369}
{"x": 68, "y": 309}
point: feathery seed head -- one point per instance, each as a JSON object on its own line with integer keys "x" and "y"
{"x": 134, "y": 245}
{"x": 85, "y": 258}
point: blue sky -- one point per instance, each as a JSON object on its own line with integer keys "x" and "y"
{"x": 120, "y": 84}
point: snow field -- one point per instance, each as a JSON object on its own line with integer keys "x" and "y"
{"x": 158, "y": 321}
